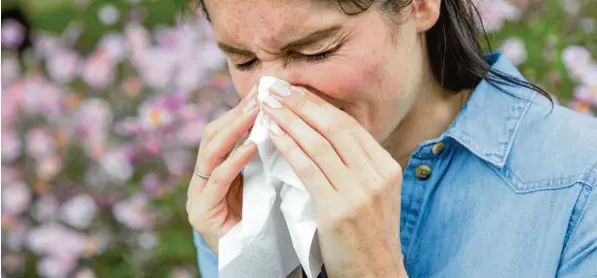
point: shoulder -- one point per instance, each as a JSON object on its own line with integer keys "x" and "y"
{"x": 554, "y": 147}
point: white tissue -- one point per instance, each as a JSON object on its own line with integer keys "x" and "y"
{"x": 277, "y": 232}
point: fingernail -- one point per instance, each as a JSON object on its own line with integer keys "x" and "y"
{"x": 299, "y": 90}
{"x": 250, "y": 105}
{"x": 275, "y": 129}
{"x": 281, "y": 89}
{"x": 271, "y": 102}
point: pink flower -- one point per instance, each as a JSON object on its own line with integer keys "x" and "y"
{"x": 56, "y": 240}
{"x": 49, "y": 166}
{"x": 167, "y": 37}
{"x": 94, "y": 113}
{"x": 13, "y": 33}
{"x": 137, "y": 36}
{"x": 14, "y": 238}
{"x": 515, "y": 50}
{"x": 155, "y": 65}
{"x": 150, "y": 184}
{"x": 11, "y": 146}
{"x": 43, "y": 96}
{"x": 108, "y": 15}
{"x": 589, "y": 76}
{"x": 39, "y": 143}
{"x": 115, "y": 46}
{"x": 154, "y": 116}
{"x": 79, "y": 211}
{"x": 211, "y": 56}
{"x": 190, "y": 133}
{"x": 93, "y": 120}
{"x": 45, "y": 208}
{"x": 495, "y": 12}
{"x": 46, "y": 45}
{"x": 98, "y": 70}
{"x": 129, "y": 126}
{"x": 133, "y": 212}
{"x": 12, "y": 102}
{"x": 586, "y": 94}
{"x": 16, "y": 197}
{"x": 576, "y": 60}
{"x": 178, "y": 162}
{"x": 62, "y": 66}
{"x": 191, "y": 112}
{"x": 116, "y": 163}
{"x": 56, "y": 267}
{"x": 190, "y": 76}
{"x": 11, "y": 70}
{"x": 172, "y": 101}
{"x": 11, "y": 174}
{"x": 152, "y": 144}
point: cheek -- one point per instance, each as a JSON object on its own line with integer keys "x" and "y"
{"x": 350, "y": 80}
{"x": 243, "y": 81}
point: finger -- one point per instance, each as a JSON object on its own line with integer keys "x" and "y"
{"x": 341, "y": 130}
{"x": 219, "y": 183}
{"x": 370, "y": 148}
{"x": 212, "y": 153}
{"x": 212, "y": 129}
{"x": 317, "y": 147}
{"x": 312, "y": 177}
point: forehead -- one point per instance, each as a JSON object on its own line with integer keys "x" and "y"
{"x": 270, "y": 22}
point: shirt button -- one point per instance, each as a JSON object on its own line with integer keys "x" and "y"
{"x": 438, "y": 148}
{"x": 423, "y": 172}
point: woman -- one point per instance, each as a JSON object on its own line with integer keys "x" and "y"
{"x": 425, "y": 158}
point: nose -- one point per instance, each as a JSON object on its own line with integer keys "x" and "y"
{"x": 278, "y": 70}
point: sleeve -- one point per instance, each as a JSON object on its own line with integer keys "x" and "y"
{"x": 206, "y": 259}
{"x": 579, "y": 258}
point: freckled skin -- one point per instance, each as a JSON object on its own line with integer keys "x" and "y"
{"x": 373, "y": 76}
{"x": 379, "y": 75}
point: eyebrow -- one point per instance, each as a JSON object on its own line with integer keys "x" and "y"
{"x": 297, "y": 44}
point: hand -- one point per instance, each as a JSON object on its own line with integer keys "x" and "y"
{"x": 355, "y": 184}
{"x": 214, "y": 205}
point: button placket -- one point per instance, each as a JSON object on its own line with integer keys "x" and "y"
{"x": 418, "y": 172}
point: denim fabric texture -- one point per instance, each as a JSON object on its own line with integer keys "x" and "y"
{"x": 510, "y": 194}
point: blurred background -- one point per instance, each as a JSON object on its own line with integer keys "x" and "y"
{"x": 104, "y": 102}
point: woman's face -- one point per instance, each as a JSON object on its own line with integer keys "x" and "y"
{"x": 371, "y": 65}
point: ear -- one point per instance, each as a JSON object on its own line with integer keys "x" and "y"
{"x": 426, "y": 13}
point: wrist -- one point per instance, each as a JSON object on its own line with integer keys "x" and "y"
{"x": 394, "y": 267}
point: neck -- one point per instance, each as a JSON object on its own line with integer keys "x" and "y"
{"x": 431, "y": 114}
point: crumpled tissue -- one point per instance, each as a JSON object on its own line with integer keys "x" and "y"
{"x": 277, "y": 232}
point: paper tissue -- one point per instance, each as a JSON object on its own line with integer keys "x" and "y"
{"x": 277, "y": 232}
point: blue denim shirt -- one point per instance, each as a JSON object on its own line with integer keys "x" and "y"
{"x": 512, "y": 193}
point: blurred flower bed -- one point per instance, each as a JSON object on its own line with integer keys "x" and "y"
{"x": 102, "y": 116}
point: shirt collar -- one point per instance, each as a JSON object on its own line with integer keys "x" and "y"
{"x": 489, "y": 121}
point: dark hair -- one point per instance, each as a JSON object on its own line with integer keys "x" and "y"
{"x": 455, "y": 53}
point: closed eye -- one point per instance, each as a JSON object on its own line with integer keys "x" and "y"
{"x": 247, "y": 66}
{"x": 316, "y": 57}
{"x": 310, "y": 58}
